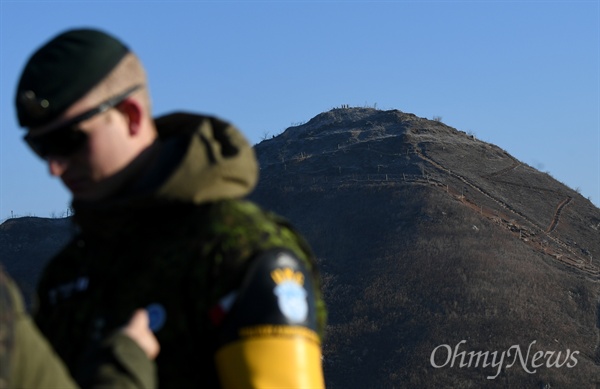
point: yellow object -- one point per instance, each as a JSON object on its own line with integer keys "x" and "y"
{"x": 279, "y": 357}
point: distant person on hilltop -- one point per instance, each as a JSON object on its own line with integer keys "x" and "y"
{"x": 232, "y": 291}
{"x": 121, "y": 361}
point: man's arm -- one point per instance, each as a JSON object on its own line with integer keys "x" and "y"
{"x": 269, "y": 333}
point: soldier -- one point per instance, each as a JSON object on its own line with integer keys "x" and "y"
{"x": 232, "y": 291}
{"x": 28, "y": 361}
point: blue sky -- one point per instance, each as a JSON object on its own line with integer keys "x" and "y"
{"x": 524, "y": 75}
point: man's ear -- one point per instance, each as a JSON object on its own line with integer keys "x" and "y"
{"x": 132, "y": 110}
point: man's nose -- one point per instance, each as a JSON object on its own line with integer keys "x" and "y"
{"x": 57, "y": 165}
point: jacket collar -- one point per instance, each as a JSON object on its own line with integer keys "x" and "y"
{"x": 200, "y": 159}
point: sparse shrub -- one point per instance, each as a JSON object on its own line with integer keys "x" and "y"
{"x": 302, "y": 156}
{"x": 265, "y": 136}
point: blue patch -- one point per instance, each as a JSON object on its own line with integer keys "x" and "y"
{"x": 157, "y": 316}
{"x": 291, "y": 298}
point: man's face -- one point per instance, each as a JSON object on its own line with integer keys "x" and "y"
{"x": 94, "y": 170}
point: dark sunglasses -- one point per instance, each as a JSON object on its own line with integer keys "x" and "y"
{"x": 68, "y": 138}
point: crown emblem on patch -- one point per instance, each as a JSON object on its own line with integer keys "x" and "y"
{"x": 282, "y": 275}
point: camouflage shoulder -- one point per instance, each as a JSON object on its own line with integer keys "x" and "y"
{"x": 242, "y": 230}
{"x": 245, "y": 228}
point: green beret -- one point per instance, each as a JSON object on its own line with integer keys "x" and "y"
{"x": 62, "y": 71}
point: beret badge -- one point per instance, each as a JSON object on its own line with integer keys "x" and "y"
{"x": 35, "y": 107}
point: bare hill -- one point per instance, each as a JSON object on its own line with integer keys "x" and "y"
{"x": 429, "y": 237}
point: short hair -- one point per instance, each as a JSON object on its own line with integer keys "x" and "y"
{"x": 128, "y": 72}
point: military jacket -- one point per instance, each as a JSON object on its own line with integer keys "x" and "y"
{"x": 176, "y": 243}
{"x": 28, "y": 361}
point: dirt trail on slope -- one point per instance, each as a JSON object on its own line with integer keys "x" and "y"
{"x": 556, "y": 217}
{"x": 534, "y": 235}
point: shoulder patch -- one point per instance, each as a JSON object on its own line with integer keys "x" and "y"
{"x": 277, "y": 290}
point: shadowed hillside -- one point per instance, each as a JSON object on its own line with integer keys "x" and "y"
{"x": 428, "y": 237}
{"x": 446, "y": 262}
{"x": 27, "y": 243}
